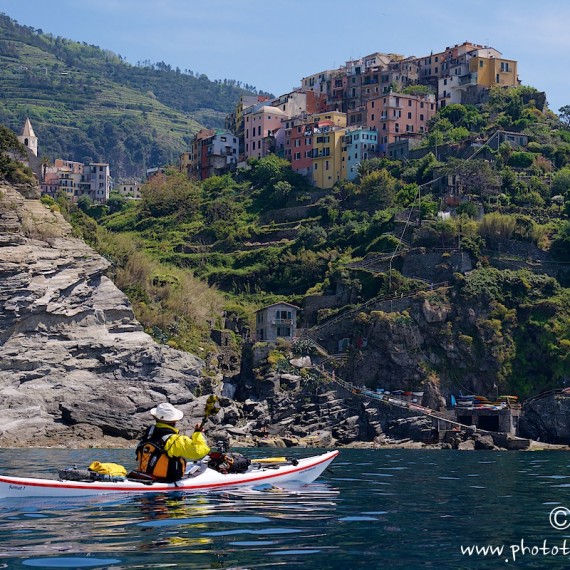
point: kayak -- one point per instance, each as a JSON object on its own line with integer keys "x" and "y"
{"x": 302, "y": 471}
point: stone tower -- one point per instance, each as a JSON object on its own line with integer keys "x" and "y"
{"x": 28, "y": 137}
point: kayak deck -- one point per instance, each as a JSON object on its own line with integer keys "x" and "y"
{"x": 305, "y": 471}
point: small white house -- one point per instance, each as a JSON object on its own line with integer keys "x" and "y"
{"x": 132, "y": 190}
{"x": 276, "y": 321}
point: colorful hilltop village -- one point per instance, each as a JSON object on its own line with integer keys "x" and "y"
{"x": 378, "y": 105}
{"x": 375, "y": 106}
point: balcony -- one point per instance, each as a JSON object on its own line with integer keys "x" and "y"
{"x": 278, "y": 322}
{"x": 466, "y": 80}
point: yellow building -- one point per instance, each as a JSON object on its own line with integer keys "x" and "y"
{"x": 336, "y": 118}
{"x": 494, "y": 71}
{"x": 185, "y": 164}
{"x": 327, "y": 155}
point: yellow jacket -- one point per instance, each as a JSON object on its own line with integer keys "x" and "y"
{"x": 179, "y": 445}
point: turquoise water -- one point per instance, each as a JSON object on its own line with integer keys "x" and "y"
{"x": 377, "y": 509}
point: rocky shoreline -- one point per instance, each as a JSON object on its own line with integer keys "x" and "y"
{"x": 77, "y": 369}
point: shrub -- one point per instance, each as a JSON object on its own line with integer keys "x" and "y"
{"x": 497, "y": 226}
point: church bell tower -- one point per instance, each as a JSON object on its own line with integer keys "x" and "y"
{"x": 28, "y": 137}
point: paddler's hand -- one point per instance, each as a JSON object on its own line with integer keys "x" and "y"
{"x": 197, "y": 428}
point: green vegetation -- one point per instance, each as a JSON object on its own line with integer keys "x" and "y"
{"x": 88, "y": 104}
{"x": 11, "y": 153}
{"x": 190, "y": 252}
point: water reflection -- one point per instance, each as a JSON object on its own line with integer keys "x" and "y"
{"x": 395, "y": 509}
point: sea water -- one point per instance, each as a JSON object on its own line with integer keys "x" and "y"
{"x": 374, "y": 509}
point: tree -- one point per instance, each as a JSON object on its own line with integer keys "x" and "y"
{"x": 565, "y": 116}
{"x": 468, "y": 209}
{"x": 475, "y": 176}
{"x": 11, "y": 153}
{"x": 561, "y": 181}
{"x": 116, "y": 203}
{"x": 311, "y": 236}
{"x": 84, "y": 203}
{"x": 171, "y": 194}
{"x": 379, "y": 188}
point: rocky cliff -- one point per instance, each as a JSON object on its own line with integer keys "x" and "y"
{"x": 75, "y": 365}
{"x": 77, "y": 369}
{"x": 547, "y": 418}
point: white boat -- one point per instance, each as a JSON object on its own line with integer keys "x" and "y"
{"x": 302, "y": 471}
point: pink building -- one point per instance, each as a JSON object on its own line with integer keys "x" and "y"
{"x": 260, "y": 126}
{"x": 299, "y": 145}
{"x": 397, "y": 116}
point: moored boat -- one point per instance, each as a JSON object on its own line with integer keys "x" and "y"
{"x": 302, "y": 471}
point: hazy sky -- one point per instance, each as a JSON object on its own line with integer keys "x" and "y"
{"x": 272, "y": 44}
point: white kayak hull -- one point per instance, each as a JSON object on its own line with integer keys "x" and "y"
{"x": 306, "y": 471}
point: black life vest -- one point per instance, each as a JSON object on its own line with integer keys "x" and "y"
{"x": 153, "y": 459}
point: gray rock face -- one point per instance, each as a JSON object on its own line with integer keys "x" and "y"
{"x": 71, "y": 351}
{"x": 547, "y": 419}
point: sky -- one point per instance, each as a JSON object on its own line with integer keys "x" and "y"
{"x": 273, "y": 44}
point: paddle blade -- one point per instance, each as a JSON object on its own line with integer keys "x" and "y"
{"x": 271, "y": 460}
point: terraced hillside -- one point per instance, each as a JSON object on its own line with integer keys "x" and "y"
{"x": 87, "y": 103}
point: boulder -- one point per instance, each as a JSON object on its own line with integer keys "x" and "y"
{"x": 417, "y": 428}
{"x": 468, "y": 445}
{"x": 483, "y": 441}
{"x": 301, "y": 362}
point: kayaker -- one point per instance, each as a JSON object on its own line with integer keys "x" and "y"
{"x": 162, "y": 452}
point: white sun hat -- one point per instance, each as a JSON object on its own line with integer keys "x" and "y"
{"x": 167, "y": 412}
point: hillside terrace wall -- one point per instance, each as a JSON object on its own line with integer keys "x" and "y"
{"x": 287, "y": 214}
{"x": 436, "y": 266}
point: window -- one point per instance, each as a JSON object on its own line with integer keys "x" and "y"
{"x": 504, "y": 66}
{"x": 421, "y": 117}
{"x": 326, "y": 164}
{"x": 372, "y": 117}
{"x": 481, "y": 63}
{"x": 409, "y": 115}
{"x": 409, "y": 102}
{"x": 259, "y": 131}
